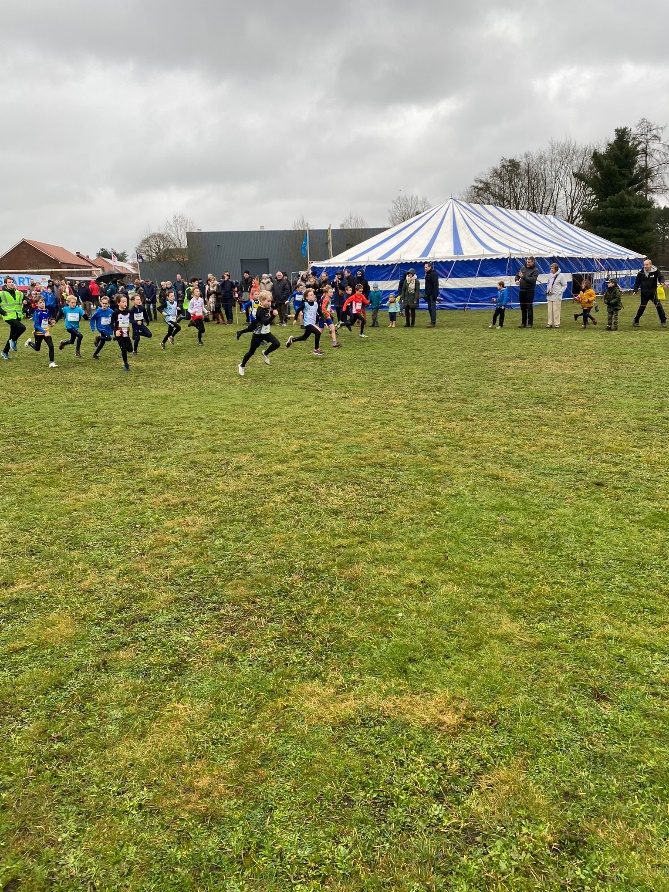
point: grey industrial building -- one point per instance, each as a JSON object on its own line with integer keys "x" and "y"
{"x": 259, "y": 251}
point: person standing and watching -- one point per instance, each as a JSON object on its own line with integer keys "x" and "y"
{"x": 227, "y": 296}
{"x": 410, "y": 298}
{"x": 555, "y": 289}
{"x": 281, "y": 291}
{"x": 646, "y": 282}
{"x": 526, "y": 279}
{"x": 11, "y": 310}
{"x": 431, "y": 293}
{"x": 179, "y": 289}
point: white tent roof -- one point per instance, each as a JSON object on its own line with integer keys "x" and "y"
{"x": 457, "y": 230}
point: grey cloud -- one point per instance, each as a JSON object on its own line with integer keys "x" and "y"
{"x": 249, "y": 115}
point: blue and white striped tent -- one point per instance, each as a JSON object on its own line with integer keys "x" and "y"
{"x": 474, "y": 246}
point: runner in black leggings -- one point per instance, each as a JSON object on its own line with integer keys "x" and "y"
{"x": 121, "y": 324}
{"x": 260, "y": 332}
{"x": 311, "y": 313}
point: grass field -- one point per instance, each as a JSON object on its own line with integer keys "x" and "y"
{"x": 394, "y": 619}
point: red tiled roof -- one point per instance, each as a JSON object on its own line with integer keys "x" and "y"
{"x": 62, "y": 255}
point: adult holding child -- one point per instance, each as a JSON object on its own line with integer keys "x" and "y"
{"x": 555, "y": 289}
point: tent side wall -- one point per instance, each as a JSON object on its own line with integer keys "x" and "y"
{"x": 472, "y": 283}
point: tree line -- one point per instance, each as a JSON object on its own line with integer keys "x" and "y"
{"x": 611, "y": 189}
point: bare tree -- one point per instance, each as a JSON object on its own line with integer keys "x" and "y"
{"x": 653, "y": 157}
{"x": 169, "y": 243}
{"x": 354, "y": 221}
{"x": 404, "y": 207}
{"x": 177, "y": 229}
{"x": 155, "y": 246}
{"x": 543, "y": 181}
{"x": 301, "y": 223}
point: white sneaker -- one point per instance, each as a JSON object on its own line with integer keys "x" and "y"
{"x": 364, "y": 336}
{"x": 491, "y": 325}
{"x": 240, "y": 369}
{"x": 498, "y": 326}
{"x": 52, "y": 365}
{"x": 265, "y": 357}
{"x": 28, "y": 343}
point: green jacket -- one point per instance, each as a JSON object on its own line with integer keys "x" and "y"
{"x": 375, "y": 299}
{"x": 11, "y": 305}
{"x": 410, "y": 299}
{"x": 613, "y": 298}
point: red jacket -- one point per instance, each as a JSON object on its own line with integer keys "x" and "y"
{"x": 357, "y": 300}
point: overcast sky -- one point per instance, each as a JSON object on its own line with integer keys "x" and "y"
{"x": 116, "y": 115}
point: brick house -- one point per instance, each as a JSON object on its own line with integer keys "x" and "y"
{"x": 33, "y": 256}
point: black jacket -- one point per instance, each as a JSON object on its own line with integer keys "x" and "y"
{"x": 527, "y": 279}
{"x": 281, "y": 291}
{"x": 647, "y": 284}
{"x": 431, "y": 285}
{"x": 227, "y": 290}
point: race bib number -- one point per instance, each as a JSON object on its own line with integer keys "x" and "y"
{"x": 106, "y": 320}
{"x": 73, "y": 317}
{"x": 139, "y": 317}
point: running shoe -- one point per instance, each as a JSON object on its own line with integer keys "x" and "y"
{"x": 336, "y": 345}
{"x": 4, "y": 355}
{"x": 52, "y": 365}
{"x": 61, "y": 346}
{"x": 289, "y": 342}
{"x": 96, "y": 340}
{"x": 12, "y": 346}
{"x": 162, "y": 346}
{"x": 171, "y": 340}
{"x": 319, "y": 353}
{"x": 126, "y": 366}
{"x": 77, "y": 355}
{"x": 95, "y": 357}
{"x": 266, "y": 358}
{"x": 364, "y": 336}
{"x": 28, "y": 343}
{"x": 240, "y": 369}
{"x": 239, "y": 334}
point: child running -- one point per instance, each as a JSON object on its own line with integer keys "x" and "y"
{"x": 196, "y": 310}
{"x": 311, "y": 314}
{"x": 586, "y": 299}
{"x": 73, "y": 316}
{"x": 297, "y": 298}
{"x": 122, "y": 324}
{"x": 356, "y": 301}
{"x": 101, "y": 321}
{"x": 326, "y": 312}
{"x": 260, "y": 331}
{"x": 140, "y": 323}
{"x": 500, "y": 301}
{"x": 42, "y": 323}
{"x": 171, "y": 313}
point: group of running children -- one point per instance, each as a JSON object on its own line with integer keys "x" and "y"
{"x": 127, "y": 322}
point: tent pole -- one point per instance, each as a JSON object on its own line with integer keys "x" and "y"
{"x": 472, "y": 288}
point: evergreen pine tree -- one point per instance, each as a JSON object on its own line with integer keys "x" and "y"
{"x": 620, "y": 212}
